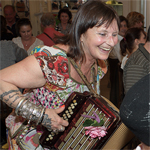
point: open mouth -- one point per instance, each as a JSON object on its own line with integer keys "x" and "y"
{"x": 106, "y": 49}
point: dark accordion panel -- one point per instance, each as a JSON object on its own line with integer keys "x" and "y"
{"x": 74, "y": 136}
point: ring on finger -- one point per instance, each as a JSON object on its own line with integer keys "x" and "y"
{"x": 61, "y": 129}
{"x": 55, "y": 130}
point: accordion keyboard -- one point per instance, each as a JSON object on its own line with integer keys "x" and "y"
{"x": 74, "y": 138}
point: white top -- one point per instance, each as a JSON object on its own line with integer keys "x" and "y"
{"x": 18, "y": 41}
{"x": 124, "y": 60}
{"x": 116, "y": 52}
{"x": 138, "y": 148}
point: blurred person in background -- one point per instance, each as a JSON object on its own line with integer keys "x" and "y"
{"x": 137, "y": 65}
{"x": 48, "y": 23}
{"x": 5, "y": 34}
{"x": 26, "y": 40}
{"x": 135, "y": 19}
{"x": 64, "y": 16}
{"x": 130, "y": 43}
{"x": 11, "y": 18}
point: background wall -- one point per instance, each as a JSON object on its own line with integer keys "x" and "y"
{"x": 37, "y": 7}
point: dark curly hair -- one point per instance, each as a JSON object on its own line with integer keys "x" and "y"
{"x": 67, "y": 11}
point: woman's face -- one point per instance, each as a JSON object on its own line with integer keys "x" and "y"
{"x": 64, "y": 18}
{"x": 123, "y": 28}
{"x": 97, "y": 42}
{"x": 25, "y": 32}
{"x": 142, "y": 38}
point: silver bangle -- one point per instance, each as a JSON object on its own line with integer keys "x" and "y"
{"x": 41, "y": 116}
{"x": 19, "y": 104}
{"x": 31, "y": 111}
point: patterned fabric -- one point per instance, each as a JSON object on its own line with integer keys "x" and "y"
{"x": 60, "y": 29}
{"x": 59, "y": 85}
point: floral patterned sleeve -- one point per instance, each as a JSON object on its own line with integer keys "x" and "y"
{"x": 54, "y": 66}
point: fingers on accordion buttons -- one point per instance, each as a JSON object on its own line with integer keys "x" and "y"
{"x": 61, "y": 129}
{"x": 55, "y": 130}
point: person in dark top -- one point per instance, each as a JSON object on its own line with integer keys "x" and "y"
{"x": 11, "y": 19}
{"x": 135, "y": 112}
{"x": 4, "y": 33}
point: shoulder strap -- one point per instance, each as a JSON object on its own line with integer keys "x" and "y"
{"x": 48, "y": 36}
{"x": 83, "y": 77}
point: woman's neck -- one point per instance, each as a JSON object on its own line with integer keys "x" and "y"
{"x": 28, "y": 43}
{"x": 64, "y": 25}
{"x": 147, "y": 46}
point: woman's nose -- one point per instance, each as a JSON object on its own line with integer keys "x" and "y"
{"x": 110, "y": 41}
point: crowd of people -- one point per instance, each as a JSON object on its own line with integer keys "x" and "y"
{"x": 34, "y": 65}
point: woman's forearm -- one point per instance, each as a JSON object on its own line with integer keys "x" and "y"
{"x": 10, "y": 94}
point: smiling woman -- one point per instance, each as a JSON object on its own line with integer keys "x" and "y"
{"x": 25, "y": 39}
{"x": 99, "y": 41}
{"x": 64, "y": 16}
{"x": 51, "y": 77}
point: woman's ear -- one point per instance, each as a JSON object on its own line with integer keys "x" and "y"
{"x": 136, "y": 41}
{"x": 81, "y": 38}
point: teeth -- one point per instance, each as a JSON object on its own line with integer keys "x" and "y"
{"x": 106, "y": 49}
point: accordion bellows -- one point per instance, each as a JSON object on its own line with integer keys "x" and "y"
{"x": 74, "y": 135}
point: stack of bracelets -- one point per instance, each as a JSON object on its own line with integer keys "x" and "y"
{"x": 30, "y": 111}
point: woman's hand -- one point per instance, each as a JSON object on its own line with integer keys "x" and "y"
{"x": 54, "y": 122}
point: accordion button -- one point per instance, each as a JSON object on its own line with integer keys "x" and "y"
{"x": 75, "y": 104}
{"x": 72, "y": 107}
{"x": 47, "y": 139}
{"x": 69, "y": 108}
{"x": 49, "y": 135}
{"x": 69, "y": 116}
{"x": 65, "y": 117}
{"x": 52, "y": 133}
{"x": 74, "y": 101}
{"x": 66, "y": 111}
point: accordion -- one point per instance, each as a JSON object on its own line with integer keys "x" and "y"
{"x": 74, "y": 135}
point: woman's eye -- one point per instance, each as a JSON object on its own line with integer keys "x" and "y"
{"x": 114, "y": 35}
{"x": 102, "y": 34}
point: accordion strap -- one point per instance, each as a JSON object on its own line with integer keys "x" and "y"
{"x": 84, "y": 77}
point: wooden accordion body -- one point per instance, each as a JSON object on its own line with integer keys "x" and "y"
{"x": 74, "y": 135}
